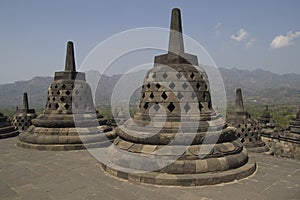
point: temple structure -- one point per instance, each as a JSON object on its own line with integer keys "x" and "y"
{"x": 6, "y": 129}
{"x": 285, "y": 143}
{"x": 293, "y": 130}
{"x": 176, "y": 138}
{"x": 267, "y": 123}
{"x": 23, "y": 117}
{"x": 247, "y": 129}
{"x": 69, "y": 120}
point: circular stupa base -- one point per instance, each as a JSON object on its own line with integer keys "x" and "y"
{"x": 260, "y": 147}
{"x": 10, "y": 134}
{"x": 59, "y": 143}
{"x": 156, "y": 178}
{"x": 62, "y": 147}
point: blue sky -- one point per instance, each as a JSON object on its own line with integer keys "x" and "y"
{"x": 242, "y": 34}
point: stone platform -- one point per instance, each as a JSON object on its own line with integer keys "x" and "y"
{"x": 30, "y": 174}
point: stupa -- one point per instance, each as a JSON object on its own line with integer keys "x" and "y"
{"x": 176, "y": 137}
{"x": 292, "y": 133}
{"x": 247, "y": 129}
{"x": 267, "y": 123}
{"x": 6, "y": 129}
{"x": 69, "y": 120}
{"x": 23, "y": 117}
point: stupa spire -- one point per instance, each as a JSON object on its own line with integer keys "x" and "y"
{"x": 176, "y": 39}
{"x": 25, "y": 102}
{"x": 239, "y": 105}
{"x": 70, "y": 58}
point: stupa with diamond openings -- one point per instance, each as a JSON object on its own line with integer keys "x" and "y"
{"x": 69, "y": 120}
{"x": 6, "y": 129}
{"x": 267, "y": 123}
{"x": 176, "y": 137}
{"x": 22, "y": 119}
{"x": 247, "y": 129}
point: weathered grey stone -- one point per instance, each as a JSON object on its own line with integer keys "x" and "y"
{"x": 69, "y": 120}
{"x": 247, "y": 130}
{"x": 170, "y": 148}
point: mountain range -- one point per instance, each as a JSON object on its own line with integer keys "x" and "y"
{"x": 257, "y": 85}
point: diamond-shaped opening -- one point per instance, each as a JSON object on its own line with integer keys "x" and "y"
{"x": 198, "y": 86}
{"x": 250, "y": 140}
{"x": 179, "y": 96}
{"x": 146, "y": 105}
{"x": 76, "y": 105}
{"x": 184, "y": 85}
{"x": 53, "y": 99}
{"x": 200, "y": 106}
{"x": 187, "y": 107}
{"x": 143, "y": 96}
{"x": 205, "y": 86}
{"x": 63, "y": 86}
{"x": 193, "y": 95}
{"x": 58, "y": 92}
{"x": 68, "y": 92}
{"x": 56, "y": 106}
{"x": 165, "y": 75}
{"x": 49, "y": 106}
{"x": 154, "y": 75}
{"x": 164, "y": 95}
{"x": 238, "y": 135}
{"x": 204, "y": 97}
{"x": 76, "y": 92}
{"x": 151, "y": 95}
{"x": 62, "y": 99}
{"x": 48, "y": 98}
{"x": 179, "y": 75}
{"x": 72, "y": 86}
{"x": 55, "y": 86}
{"x": 243, "y": 130}
{"x": 172, "y": 85}
{"x": 157, "y": 85}
{"x": 143, "y": 86}
{"x": 192, "y": 75}
{"x": 66, "y": 106}
{"x": 171, "y": 107}
{"x": 148, "y": 85}
{"x": 210, "y": 105}
{"x": 246, "y": 135}
{"x": 242, "y": 140}
{"x": 156, "y": 107}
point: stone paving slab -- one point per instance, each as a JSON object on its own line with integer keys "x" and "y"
{"x": 32, "y": 174}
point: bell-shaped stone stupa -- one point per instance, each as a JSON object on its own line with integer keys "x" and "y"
{"x": 23, "y": 117}
{"x": 247, "y": 129}
{"x": 267, "y": 123}
{"x": 69, "y": 120}
{"x": 293, "y": 131}
{"x": 176, "y": 138}
{"x": 6, "y": 129}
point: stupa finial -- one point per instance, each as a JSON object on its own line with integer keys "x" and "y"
{"x": 176, "y": 39}
{"x": 25, "y": 102}
{"x": 239, "y": 105}
{"x": 70, "y": 58}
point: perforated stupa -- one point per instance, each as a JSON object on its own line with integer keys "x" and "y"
{"x": 171, "y": 139}
{"x": 69, "y": 120}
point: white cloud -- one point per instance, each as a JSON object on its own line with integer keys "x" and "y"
{"x": 241, "y": 35}
{"x": 250, "y": 43}
{"x": 284, "y": 40}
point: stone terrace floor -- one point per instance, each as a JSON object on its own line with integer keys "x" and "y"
{"x": 32, "y": 174}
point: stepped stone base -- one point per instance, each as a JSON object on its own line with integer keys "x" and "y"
{"x": 101, "y": 142}
{"x": 157, "y": 178}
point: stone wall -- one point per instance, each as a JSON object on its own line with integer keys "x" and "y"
{"x": 282, "y": 147}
